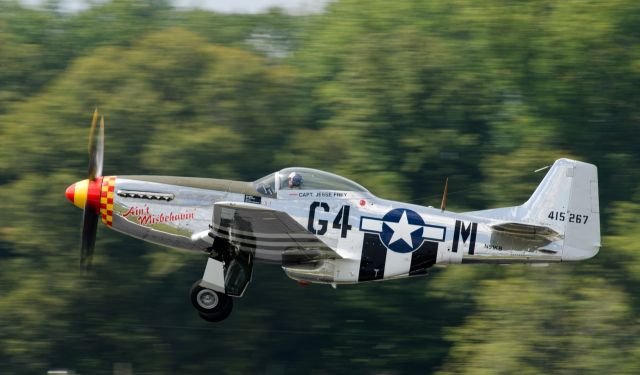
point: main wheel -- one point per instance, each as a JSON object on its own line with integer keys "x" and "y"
{"x": 212, "y": 306}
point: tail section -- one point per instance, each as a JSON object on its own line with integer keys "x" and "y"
{"x": 566, "y": 201}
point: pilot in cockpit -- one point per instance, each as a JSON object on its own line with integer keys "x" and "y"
{"x": 294, "y": 180}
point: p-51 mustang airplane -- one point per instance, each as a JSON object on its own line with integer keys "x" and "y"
{"x": 323, "y": 228}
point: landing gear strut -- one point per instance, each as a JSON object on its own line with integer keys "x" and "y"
{"x": 212, "y": 306}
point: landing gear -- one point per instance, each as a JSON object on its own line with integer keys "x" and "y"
{"x": 227, "y": 274}
{"x": 212, "y": 306}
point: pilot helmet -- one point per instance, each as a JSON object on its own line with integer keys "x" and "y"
{"x": 295, "y": 179}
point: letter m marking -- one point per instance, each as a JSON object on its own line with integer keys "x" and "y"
{"x": 465, "y": 231}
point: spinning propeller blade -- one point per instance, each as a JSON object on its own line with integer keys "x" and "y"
{"x": 88, "y": 239}
{"x": 90, "y": 210}
{"x": 96, "y": 147}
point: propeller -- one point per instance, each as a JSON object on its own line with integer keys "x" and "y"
{"x": 90, "y": 212}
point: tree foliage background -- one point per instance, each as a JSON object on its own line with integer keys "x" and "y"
{"x": 396, "y": 95}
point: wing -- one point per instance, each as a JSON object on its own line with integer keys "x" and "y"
{"x": 253, "y": 228}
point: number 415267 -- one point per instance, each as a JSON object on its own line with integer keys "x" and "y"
{"x": 573, "y": 218}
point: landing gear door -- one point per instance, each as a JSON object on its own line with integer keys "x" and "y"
{"x": 213, "y": 277}
{"x": 230, "y": 277}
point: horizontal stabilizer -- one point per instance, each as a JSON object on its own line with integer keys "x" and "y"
{"x": 526, "y": 230}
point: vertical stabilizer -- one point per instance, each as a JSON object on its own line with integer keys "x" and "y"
{"x": 567, "y": 202}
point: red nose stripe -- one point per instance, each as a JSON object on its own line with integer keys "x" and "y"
{"x": 70, "y": 192}
{"x": 93, "y": 194}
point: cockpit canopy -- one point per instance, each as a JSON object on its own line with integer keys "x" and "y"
{"x": 309, "y": 179}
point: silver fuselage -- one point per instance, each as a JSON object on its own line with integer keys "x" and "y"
{"x": 176, "y": 212}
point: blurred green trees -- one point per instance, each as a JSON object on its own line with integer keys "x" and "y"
{"x": 396, "y": 95}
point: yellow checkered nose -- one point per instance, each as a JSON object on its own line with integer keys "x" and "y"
{"x": 85, "y": 193}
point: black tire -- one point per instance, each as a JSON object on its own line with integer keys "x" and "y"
{"x": 212, "y": 306}
{"x": 220, "y": 315}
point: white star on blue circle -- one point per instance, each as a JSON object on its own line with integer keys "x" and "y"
{"x": 402, "y": 230}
